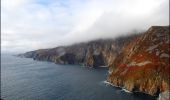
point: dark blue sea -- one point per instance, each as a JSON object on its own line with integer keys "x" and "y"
{"x": 27, "y": 79}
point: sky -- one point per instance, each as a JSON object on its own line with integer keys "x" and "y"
{"x": 36, "y": 24}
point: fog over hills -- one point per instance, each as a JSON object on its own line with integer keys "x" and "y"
{"x": 33, "y": 24}
{"x": 138, "y": 63}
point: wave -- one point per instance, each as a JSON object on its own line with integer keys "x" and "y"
{"x": 123, "y": 89}
{"x": 108, "y": 83}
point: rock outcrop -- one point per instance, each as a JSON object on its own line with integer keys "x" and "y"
{"x": 143, "y": 65}
{"x": 164, "y": 95}
{"x": 93, "y": 54}
{"x": 136, "y": 62}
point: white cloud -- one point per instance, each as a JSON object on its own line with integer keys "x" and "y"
{"x": 34, "y": 24}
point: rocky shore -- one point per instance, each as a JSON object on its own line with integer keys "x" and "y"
{"x": 92, "y": 54}
{"x": 143, "y": 65}
{"x": 138, "y": 62}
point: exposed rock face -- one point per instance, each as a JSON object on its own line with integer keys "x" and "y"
{"x": 95, "y": 53}
{"x": 143, "y": 65}
{"x": 136, "y": 62}
{"x": 164, "y": 95}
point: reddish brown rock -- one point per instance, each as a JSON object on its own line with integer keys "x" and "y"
{"x": 143, "y": 65}
{"x": 93, "y": 54}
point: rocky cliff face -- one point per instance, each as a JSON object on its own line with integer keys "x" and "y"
{"x": 93, "y": 54}
{"x": 164, "y": 95}
{"x": 136, "y": 62}
{"x": 143, "y": 65}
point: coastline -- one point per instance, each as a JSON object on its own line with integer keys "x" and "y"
{"x": 127, "y": 91}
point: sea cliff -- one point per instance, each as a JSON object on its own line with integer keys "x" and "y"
{"x": 138, "y": 62}
{"x": 143, "y": 65}
{"x": 92, "y": 54}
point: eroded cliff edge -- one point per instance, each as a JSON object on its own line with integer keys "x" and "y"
{"x": 92, "y": 54}
{"x": 143, "y": 65}
{"x": 136, "y": 62}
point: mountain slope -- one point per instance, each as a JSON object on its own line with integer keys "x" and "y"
{"x": 136, "y": 62}
{"x": 94, "y": 53}
{"x": 143, "y": 65}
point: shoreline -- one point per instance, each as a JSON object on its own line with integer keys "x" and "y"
{"x": 127, "y": 91}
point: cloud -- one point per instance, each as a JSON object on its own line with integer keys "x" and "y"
{"x": 33, "y": 24}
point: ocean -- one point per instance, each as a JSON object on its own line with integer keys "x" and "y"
{"x": 27, "y": 79}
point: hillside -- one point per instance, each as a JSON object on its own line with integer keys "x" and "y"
{"x": 138, "y": 63}
{"x": 143, "y": 65}
{"x": 93, "y": 54}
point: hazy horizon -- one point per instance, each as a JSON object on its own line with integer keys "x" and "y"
{"x": 35, "y": 24}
